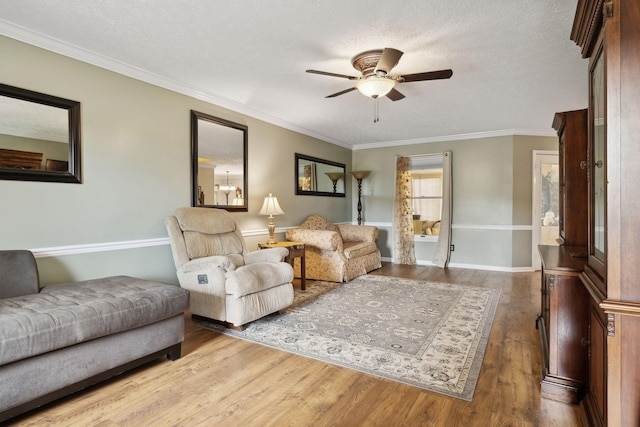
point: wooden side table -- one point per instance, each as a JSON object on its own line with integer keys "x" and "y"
{"x": 296, "y": 250}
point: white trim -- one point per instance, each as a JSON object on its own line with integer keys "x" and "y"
{"x": 124, "y": 245}
{"x": 445, "y": 138}
{"x": 426, "y": 263}
{"x": 135, "y": 244}
{"x": 98, "y": 247}
{"x": 35, "y": 38}
{"x": 43, "y": 41}
{"x": 492, "y": 268}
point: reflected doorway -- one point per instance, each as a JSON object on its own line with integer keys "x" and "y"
{"x": 545, "y": 216}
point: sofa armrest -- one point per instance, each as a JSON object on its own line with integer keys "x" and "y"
{"x": 266, "y": 255}
{"x": 358, "y": 233}
{"x": 18, "y": 273}
{"x": 322, "y": 239}
{"x": 207, "y": 263}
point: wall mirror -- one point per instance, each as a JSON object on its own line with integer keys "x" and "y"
{"x": 317, "y": 177}
{"x": 39, "y": 136}
{"x": 218, "y": 163}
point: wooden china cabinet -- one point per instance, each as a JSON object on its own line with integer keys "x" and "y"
{"x": 608, "y": 33}
{"x": 562, "y": 322}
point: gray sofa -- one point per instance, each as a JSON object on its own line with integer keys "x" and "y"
{"x": 62, "y": 338}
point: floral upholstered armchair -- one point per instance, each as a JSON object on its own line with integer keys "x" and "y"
{"x": 336, "y": 252}
{"x": 226, "y": 281}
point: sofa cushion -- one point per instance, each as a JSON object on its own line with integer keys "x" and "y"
{"x": 64, "y": 315}
{"x": 354, "y": 250}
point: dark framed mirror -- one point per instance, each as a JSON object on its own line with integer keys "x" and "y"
{"x": 39, "y": 136}
{"x": 318, "y": 177}
{"x": 218, "y": 163}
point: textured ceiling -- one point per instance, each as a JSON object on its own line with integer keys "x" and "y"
{"x": 513, "y": 63}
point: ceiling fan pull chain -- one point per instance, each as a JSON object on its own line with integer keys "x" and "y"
{"x": 376, "y": 116}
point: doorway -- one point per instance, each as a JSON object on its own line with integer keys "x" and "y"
{"x": 545, "y": 215}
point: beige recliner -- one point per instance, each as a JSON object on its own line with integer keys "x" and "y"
{"x": 226, "y": 281}
{"x": 336, "y": 252}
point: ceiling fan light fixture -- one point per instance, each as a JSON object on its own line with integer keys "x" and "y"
{"x": 375, "y": 86}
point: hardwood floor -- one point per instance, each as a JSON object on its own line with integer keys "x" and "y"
{"x": 224, "y": 381}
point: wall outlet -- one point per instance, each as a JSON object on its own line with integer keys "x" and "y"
{"x": 452, "y": 248}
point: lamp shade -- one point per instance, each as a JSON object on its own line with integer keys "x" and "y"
{"x": 334, "y": 176}
{"x": 360, "y": 174}
{"x": 375, "y": 86}
{"x": 271, "y": 206}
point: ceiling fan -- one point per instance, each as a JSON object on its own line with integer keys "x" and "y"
{"x": 376, "y": 81}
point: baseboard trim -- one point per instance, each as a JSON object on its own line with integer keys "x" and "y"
{"x": 427, "y": 263}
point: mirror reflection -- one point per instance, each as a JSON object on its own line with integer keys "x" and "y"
{"x": 39, "y": 136}
{"x": 318, "y": 177}
{"x": 219, "y": 163}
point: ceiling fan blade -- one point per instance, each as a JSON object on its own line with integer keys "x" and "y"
{"x": 340, "y": 93}
{"x": 388, "y": 59}
{"x": 429, "y": 75}
{"x": 324, "y": 73}
{"x": 394, "y": 95}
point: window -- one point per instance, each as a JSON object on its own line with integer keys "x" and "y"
{"x": 426, "y": 194}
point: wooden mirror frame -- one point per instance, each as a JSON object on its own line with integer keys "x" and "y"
{"x": 218, "y": 158}
{"x": 61, "y": 172}
{"x": 321, "y": 167}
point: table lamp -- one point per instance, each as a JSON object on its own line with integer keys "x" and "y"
{"x": 271, "y": 207}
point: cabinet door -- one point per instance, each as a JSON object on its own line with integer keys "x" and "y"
{"x": 568, "y": 329}
{"x": 597, "y": 171}
{"x": 596, "y": 398}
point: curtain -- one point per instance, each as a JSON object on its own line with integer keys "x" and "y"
{"x": 403, "y": 216}
{"x": 443, "y": 252}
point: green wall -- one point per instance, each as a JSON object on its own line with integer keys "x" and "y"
{"x": 136, "y": 171}
{"x": 491, "y": 198}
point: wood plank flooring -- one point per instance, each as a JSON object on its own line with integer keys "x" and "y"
{"x": 224, "y": 381}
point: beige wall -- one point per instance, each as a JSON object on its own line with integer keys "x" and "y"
{"x": 491, "y": 197}
{"x": 136, "y": 171}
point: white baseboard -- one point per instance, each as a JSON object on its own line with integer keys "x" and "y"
{"x": 473, "y": 266}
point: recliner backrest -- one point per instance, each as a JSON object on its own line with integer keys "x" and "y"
{"x": 209, "y": 232}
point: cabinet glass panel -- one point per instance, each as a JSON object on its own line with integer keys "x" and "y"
{"x": 598, "y": 165}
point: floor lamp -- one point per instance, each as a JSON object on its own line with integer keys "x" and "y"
{"x": 360, "y": 175}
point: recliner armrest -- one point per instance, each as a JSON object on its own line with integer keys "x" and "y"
{"x": 322, "y": 239}
{"x": 266, "y": 255}
{"x": 358, "y": 233}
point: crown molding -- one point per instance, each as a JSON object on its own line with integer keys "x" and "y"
{"x": 459, "y": 137}
{"x": 75, "y": 52}
{"x": 52, "y": 44}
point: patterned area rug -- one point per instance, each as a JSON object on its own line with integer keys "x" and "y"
{"x": 425, "y": 334}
